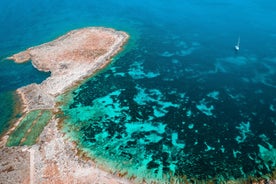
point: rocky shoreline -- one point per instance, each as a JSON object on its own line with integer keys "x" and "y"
{"x": 53, "y": 159}
{"x": 71, "y": 58}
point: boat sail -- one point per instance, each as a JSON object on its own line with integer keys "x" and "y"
{"x": 237, "y": 47}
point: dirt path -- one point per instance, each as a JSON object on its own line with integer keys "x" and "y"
{"x": 32, "y": 166}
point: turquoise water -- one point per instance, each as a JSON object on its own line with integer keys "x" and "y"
{"x": 180, "y": 101}
{"x": 7, "y": 109}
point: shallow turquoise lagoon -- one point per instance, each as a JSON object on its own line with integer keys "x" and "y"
{"x": 180, "y": 101}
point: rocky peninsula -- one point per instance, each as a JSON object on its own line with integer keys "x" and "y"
{"x": 49, "y": 157}
{"x": 70, "y": 59}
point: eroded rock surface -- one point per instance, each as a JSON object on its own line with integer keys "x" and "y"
{"x": 53, "y": 159}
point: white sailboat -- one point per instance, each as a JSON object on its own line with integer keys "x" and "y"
{"x": 237, "y": 47}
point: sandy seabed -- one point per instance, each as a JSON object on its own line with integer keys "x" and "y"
{"x": 54, "y": 159}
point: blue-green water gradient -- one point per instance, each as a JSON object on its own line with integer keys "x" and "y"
{"x": 181, "y": 100}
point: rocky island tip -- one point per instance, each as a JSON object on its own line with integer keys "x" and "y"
{"x": 70, "y": 58}
{"x": 41, "y": 154}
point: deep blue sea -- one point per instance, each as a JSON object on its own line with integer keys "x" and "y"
{"x": 179, "y": 101}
